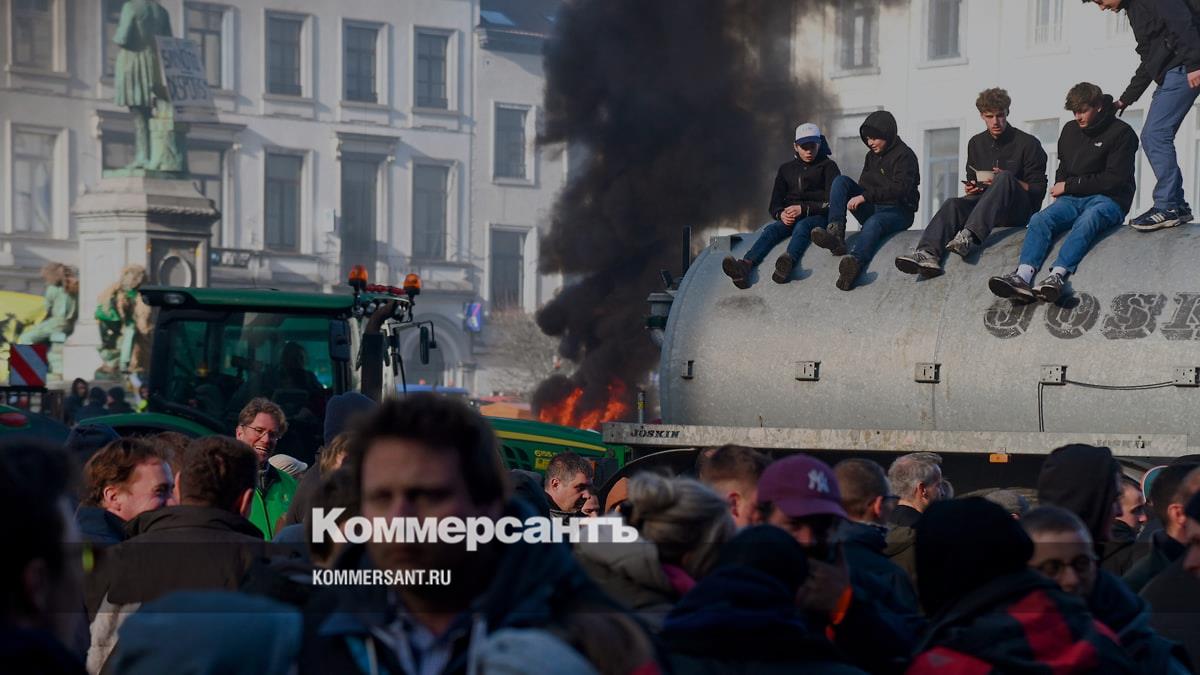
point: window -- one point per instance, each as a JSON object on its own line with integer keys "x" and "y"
{"x": 1046, "y": 131}
{"x": 941, "y": 162}
{"x": 205, "y": 27}
{"x": 850, "y": 155}
{"x": 206, "y": 166}
{"x": 360, "y": 178}
{"x": 33, "y": 33}
{"x": 429, "y": 212}
{"x": 510, "y": 143}
{"x": 359, "y": 64}
{"x": 283, "y": 55}
{"x": 33, "y": 182}
{"x": 282, "y": 204}
{"x": 858, "y": 33}
{"x": 112, "y": 18}
{"x": 943, "y": 29}
{"x": 507, "y": 269}
{"x": 1047, "y": 22}
{"x": 431, "y": 71}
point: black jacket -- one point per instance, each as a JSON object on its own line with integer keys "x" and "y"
{"x": 892, "y": 178}
{"x": 1166, "y": 36}
{"x": 1164, "y": 550}
{"x": 1174, "y": 596}
{"x": 1127, "y": 615}
{"x": 99, "y": 526}
{"x": 1099, "y": 160}
{"x": 864, "y": 547}
{"x": 1014, "y": 151}
{"x": 807, "y": 185}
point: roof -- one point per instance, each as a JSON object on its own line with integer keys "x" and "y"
{"x": 247, "y": 298}
{"x": 519, "y": 25}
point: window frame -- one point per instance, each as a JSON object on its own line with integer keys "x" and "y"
{"x": 59, "y": 174}
{"x": 450, "y": 64}
{"x": 924, "y": 58}
{"x": 528, "y": 114}
{"x": 446, "y": 214}
{"x": 523, "y": 261}
{"x": 224, "y": 73}
{"x": 303, "y": 48}
{"x": 1033, "y": 25}
{"x": 378, "y": 54}
{"x": 929, "y": 196}
{"x": 841, "y": 18}
{"x": 299, "y": 225}
{"x": 58, "y": 46}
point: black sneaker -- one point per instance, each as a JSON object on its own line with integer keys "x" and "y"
{"x": 1011, "y": 286}
{"x": 783, "y": 269}
{"x": 1158, "y": 219}
{"x": 738, "y": 270}
{"x": 848, "y": 271}
{"x": 832, "y": 237}
{"x": 1050, "y": 288}
{"x": 920, "y": 262}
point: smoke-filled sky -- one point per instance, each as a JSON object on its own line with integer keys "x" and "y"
{"x": 686, "y": 109}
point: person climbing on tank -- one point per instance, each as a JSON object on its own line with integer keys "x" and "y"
{"x": 1093, "y": 190}
{"x": 884, "y": 200}
{"x": 799, "y": 203}
{"x": 1004, "y": 186}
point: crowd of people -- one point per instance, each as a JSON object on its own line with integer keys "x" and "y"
{"x": 168, "y": 554}
{"x": 84, "y": 402}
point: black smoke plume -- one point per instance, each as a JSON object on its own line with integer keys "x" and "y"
{"x": 685, "y": 109}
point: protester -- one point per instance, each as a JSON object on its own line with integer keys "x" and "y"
{"x": 733, "y": 472}
{"x": 75, "y": 400}
{"x": 329, "y": 459}
{"x": 917, "y": 480}
{"x": 117, "y": 405}
{"x": 1168, "y": 46}
{"x": 1012, "y": 191}
{"x": 338, "y": 491}
{"x": 260, "y": 425}
{"x": 1175, "y": 592}
{"x": 1063, "y": 550}
{"x": 86, "y": 440}
{"x": 681, "y": 525}
{"x": 95, "y": 407}
{"x": 1010, "y": 500}
{"x": 125, "y": 479}
{"x": 1128, "y": 525}
{"x": 568, "y": 484}
{"x": 204, "y": 542}
{"x": 742, "y": 617}
{"x": 799, "y": 203}
{"x": 1175, "y": 486}
{"x": 884, "y": 200}
{"x": 143, "y": 400}
{"x": 41, "y": 580}
{"x": 428, "y": 456}
{"x": 1192, "y": 558}
{"x": 289, "y": 465}
{"x": 1093, "y": 189}
{"x": 988, "y": 612}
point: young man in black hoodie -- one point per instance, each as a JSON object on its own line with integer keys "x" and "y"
{"x": 884, "y": 199}
{"x": 1168, "y": 44}
{"x": 799, "y": 203}
{"x": 1093, "y": 188}
{"x": 1008, "y": 193}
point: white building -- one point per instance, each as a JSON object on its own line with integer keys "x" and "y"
{"x": 926, "y": 60}
{"x": 345, "y": 132}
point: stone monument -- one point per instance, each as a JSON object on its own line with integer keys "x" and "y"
{"x": 148, "y": 213}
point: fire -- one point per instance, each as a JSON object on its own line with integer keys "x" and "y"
{"x": 565, "y": 413}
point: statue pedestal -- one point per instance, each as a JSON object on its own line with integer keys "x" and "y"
{"x": 155, "y": 219}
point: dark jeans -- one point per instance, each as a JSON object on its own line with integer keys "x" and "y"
{"x": 1004, "y": 204}
{"x": 775, "y": 232}
{"x": 878, "y": 220}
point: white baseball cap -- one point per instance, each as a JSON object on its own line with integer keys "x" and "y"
{"x": 808, "y": 133}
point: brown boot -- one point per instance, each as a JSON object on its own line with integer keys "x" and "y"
{"x": 783, "y": 269}
{"x": 738, "y": 270}
{"x": 848, "y": 271}
{"x": 832, "y": 237}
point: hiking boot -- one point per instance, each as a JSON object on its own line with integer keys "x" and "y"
{"x": 920, "y": 262}
{"x": 832, "y": 237}
{"x": 1158, "y": 219}
{"x": 963, "y": 244}
{"x": 848, "y": 271}
{"x": 738, "y": 270}
{"x": 1050, "y": 288}
{"x": 1011, "y": 286}
{"x": 783, "y": 269}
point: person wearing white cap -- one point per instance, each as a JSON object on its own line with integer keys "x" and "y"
{"x": 799, "y": 203}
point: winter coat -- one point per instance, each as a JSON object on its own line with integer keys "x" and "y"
{"x": 1174, "y": 598}
{"x": 1164, "y": 550}
{"x": 307, "y": 489}
{"x": 888, "y": 584}
{"x": 807, "y": 185}
{"x": 28, "y": 650}
{"x": 901, "y": 540}
{"x": 631, "y": 574}
{"x": 892, "y": 178}
{"x": 1165, "y": 31}
{"x": 1127, "y": 615}
{"x": 1014, "y": 151}
{"x": 99, "y": 526}
{"x": 1099, "y": 160}
{"x": 743, "y": 620}
{"x": 1018, "y": 623}
{"x": 271, "y": 501}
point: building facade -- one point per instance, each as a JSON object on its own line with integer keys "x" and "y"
{"x": 343, "y": 133}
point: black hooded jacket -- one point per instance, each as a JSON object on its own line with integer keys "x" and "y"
{"x": 1099, "y": 160}
{"x": 891, "y": 178}
{"x": 1166, "y": 36}
{"x": 1014, "y": 151}
{"x": 800, "y": 183}
{"x": 1083, "y": 480}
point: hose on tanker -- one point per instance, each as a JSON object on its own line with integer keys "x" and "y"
{"x": 1092, "y": 385}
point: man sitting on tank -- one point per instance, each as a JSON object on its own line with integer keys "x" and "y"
{"x": 1006, "y": 181}
{"x": 799, "y": 202}
{"x": 884, "y": 199}
{"x": 1093, "y": 190}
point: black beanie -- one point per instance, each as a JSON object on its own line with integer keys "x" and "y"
{"x": 769, "y": 550}
{"x": 1082, "y": 479}
{"x": 86, "y": 440}
{"x": 963, "y": 544}
{"x": 343, "y": 408}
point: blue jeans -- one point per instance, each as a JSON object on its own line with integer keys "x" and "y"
{"x": 878, "y": 220}
{"x": 1168, "y": 106}
{"x": 775, "y": 232}
{"x": 1086, "y": 218}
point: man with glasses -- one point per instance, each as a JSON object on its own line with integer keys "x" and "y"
{"x": 1062, "y": 549}
{"x": 260, "y": 425}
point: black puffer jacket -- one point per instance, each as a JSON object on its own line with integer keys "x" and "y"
{"x": 892, "y": 178}
{"x": 800, "y": 183}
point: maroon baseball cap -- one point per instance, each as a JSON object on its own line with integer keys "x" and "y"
{"x": 801, "y": 486}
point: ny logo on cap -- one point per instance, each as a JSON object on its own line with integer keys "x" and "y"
{"x": 817, "y": 480}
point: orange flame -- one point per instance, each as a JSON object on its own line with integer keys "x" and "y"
{"x": 564, "y": 412}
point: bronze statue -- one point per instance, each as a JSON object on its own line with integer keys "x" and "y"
{"x": 158, "y": 143}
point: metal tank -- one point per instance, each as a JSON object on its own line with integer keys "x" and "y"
{"x": 1118, "y": 355}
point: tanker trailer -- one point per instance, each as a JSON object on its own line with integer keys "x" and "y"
{"x": 903, "y": 363}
